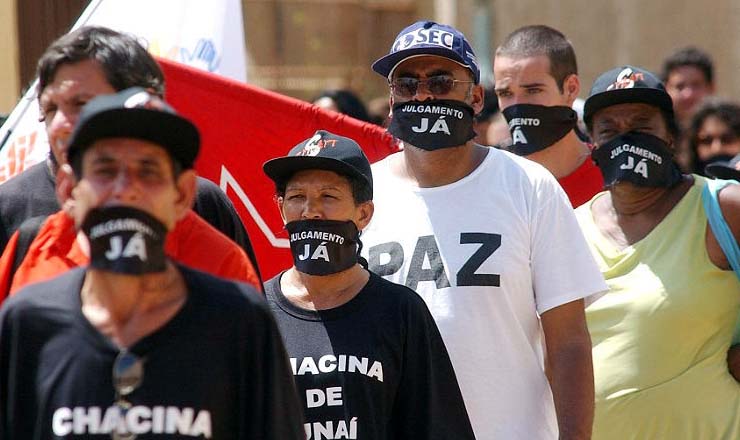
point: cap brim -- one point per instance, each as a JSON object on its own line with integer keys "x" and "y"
{"x": 174, "y": 133}
{"x": 722, "y": 170}
{"x": 609, "y": 98}
{"x": 384, "y": 66}
{"x": 281, "y": 168}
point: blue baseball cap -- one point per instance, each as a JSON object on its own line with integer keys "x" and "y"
{"x": 429, "y": 38}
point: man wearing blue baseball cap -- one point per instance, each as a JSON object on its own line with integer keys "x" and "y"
{"x": 477, "y": 232}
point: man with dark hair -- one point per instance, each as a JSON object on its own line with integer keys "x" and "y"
{"x": 482, "y": 235}
{"x": 74, "y": 69}
{"x": 536, "y": 83}
{"x": 136, "y": 343}
{"x": 688, "y": 74}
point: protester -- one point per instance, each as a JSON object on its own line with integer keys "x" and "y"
{"x": 192, "y": 355}
{"x": 661, "y": 333}
{"x": 714, "y": 133}
{"x": 365, "y": 352}
{"x": 688, "y": 74}
{"x": 536, "y": 84}
{"x": 476, "y": 232}
{"x": 75, "y": 68}
{"x": 342, "y": 101}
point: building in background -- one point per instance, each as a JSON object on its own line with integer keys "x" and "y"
{"x": 300, "y": 47}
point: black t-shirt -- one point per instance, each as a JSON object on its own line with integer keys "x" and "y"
{"x": 217, "y": 367}
{"x": 32, "y": 193}
{"x": 374, "y": 368}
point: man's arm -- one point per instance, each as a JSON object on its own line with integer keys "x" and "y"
{"x": 570, "y": 368}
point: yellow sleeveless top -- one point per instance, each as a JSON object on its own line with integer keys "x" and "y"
{"x": 660, "y": 334}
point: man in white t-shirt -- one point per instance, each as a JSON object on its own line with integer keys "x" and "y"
{"x": 490, "y": 242}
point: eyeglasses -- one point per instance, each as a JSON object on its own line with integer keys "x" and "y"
{"x": 435, "y": 85}
{"x": 724, "y": 139}
{"x": 128, "y": 372}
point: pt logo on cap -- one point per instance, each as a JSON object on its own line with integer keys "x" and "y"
{"x": 626, "y": 80}
{"x": 434, "y": 37}
{"x": 316, "y": 144}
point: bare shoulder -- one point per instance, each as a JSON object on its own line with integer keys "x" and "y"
{"x": 729, "y": 202}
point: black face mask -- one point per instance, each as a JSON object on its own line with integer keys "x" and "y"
{"x": 535, "y": 127}
{"x": 125, "y": 240}
{"x": 324, "y": 247}
{"x": 434, "y": 124}
{"x": 639, "y": 158}
{"x": 701, "y": 165}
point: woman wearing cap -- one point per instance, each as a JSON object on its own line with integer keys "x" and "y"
{"x": 367, "y": 358}
{"x": 661, "y": 333}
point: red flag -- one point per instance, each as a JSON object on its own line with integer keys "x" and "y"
{"x": 243, "y": 126}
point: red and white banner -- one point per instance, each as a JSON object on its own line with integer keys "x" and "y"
{"x": 242, "y": 127}
{"x": 205, "y": 34}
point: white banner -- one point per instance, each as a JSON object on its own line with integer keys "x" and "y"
{"x": 208, "y": 35}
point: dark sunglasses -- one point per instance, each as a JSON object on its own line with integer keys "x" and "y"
{"x": 128, "y": 372}
{"x": 435, "y": 85}
{"x": 724, "y": 139}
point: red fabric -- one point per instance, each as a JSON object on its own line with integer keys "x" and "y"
{"x": 583, "y": 183}
{"x": 242, "y": 127}
{"x": 55, "y": 250}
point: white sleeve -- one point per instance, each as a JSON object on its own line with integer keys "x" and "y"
{"x": 563, "y": 269}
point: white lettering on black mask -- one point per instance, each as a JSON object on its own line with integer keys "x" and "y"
{"x": 640, "y": 158}
{"x": 125, "y": 240}
{"x": 535, "y": 127}
{"x": 324, "y": 247}
{"x": 434, "y": 124}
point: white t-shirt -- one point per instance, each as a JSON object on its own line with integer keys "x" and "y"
{"x": 487, "y": 253}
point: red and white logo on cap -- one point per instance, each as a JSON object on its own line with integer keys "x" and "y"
{"x": 626, "y": 80}
{"x": 315, "y": 145}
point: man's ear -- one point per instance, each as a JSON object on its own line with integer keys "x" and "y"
{"x": 477, "y": 98}
{"x": 571, "y": 88}
{"x": 186, "y": 185}
{"x": 366, "y": 210}
{"x": 65, "y": 182}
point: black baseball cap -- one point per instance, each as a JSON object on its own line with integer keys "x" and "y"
{"x": 135, "y": 113}
{"x": 429, "y": 38}
{"x": 724, "y": 169}
{"x": 626, "y": 84}
{"x": 322, "y": 151}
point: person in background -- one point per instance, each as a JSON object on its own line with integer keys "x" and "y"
{"x": 688, "y": 75}
{"x": 490, "y": 127}
{"x": 75, "y": 68}
{"x": 537, "y": 83}
{"x": 342, "y": 101}
{"x": 714, "y": 133}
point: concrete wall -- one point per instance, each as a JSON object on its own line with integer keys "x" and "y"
{"x": 609, "y": 33}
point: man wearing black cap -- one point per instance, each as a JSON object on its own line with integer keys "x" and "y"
{"x": 661, "y": 332}
{"x": 490, "y": 242}
{"x": 536, "y": 84}
{"x": 366, "y": 354}
{"x": 136, "y": 344}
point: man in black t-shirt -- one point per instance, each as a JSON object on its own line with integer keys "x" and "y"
{"x": 367, "y": 357}
{"x": 74, "y": 69}
{"x": 136, "y": 344}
